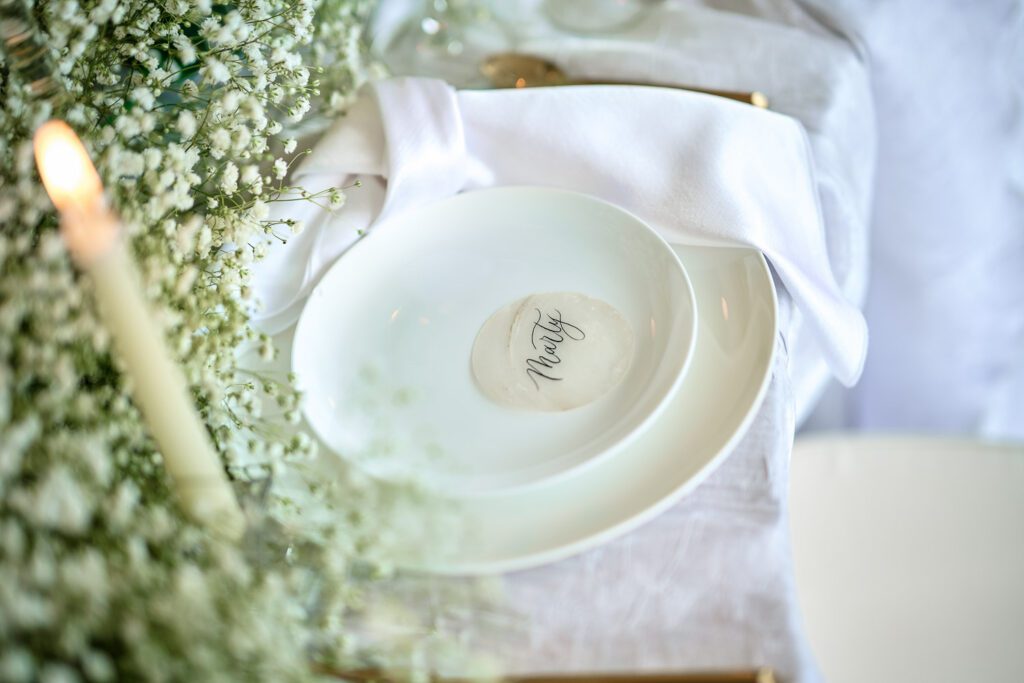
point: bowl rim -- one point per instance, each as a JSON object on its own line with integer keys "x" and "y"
{"x": 631, "y": 433}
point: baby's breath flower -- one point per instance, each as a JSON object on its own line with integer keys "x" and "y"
{"x": 101, "y": 577}
{"x": 186, "y": 123}
{"x": 229, "y": 179}
{"x": 280, "y": 168}
{"x": 215, "y": 71}
{"x": 185, "y": 50}
{"x": 219, "y": 142}
{"x": 143, "y": 97}
{"x": 259, "y": 210}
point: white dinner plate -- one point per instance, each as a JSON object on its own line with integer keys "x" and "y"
{"x": 726, "y": 382}
{"x": 382, "y": 349}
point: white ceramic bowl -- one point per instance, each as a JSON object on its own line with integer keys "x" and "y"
{"x": 382, "y": 349}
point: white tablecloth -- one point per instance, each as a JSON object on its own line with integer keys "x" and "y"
{"x": 946, "y": 306}
{"x": 707, "y": 585}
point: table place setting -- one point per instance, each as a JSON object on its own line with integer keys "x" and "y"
{"x": 538, "y": 312}
{"x": 411, "y": 143}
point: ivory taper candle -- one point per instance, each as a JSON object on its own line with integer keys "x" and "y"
{"x": 93, "y": 236}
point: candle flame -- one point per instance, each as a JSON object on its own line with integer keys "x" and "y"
{"x": 74, "y": 186}
{"x": 67, "y": 172}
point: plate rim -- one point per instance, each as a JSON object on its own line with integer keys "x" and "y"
{"x": 657, "y": 507}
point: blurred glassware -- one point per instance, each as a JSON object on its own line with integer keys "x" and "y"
{"x": 596, "y": 16}
{"x": 445, "y": 39}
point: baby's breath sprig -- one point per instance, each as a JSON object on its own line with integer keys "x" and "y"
{"x": 189, "y": 109}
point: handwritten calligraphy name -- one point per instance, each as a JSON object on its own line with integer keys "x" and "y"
{"x": 547, "y": 336}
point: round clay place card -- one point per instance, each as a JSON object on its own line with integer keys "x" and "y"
{"x": 554, "y": 351}
{"x": 495, "y": 341}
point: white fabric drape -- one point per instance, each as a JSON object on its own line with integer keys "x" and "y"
{"x": 698, "y": 168}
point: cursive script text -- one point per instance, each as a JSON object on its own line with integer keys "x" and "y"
{"x": 546, "y": 336}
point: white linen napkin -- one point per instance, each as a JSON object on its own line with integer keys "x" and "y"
{"x": 697, "y": 168}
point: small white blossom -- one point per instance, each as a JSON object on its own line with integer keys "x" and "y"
{"x": 143, "y": 97}
{"x": 259, "y": 210}
{"x": 177, "y": 7}
{"x": 250, "y": 174}
{"x": 186, "y": 51}
{"x": 230, "y": 101}
{"x": 242, "y": 139}
{"x": 280, "y": 168}
{"x": 299, "y": 109}
{"x": 103, "y": 11}
{"x": 186, "y": 123}
{"x": 220, "y": 142}
{"x": 215, "y": 71}
{"x": 229, "y": 179}
{"x": 127, "y": 126}
{"x": 152, "y": 158}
